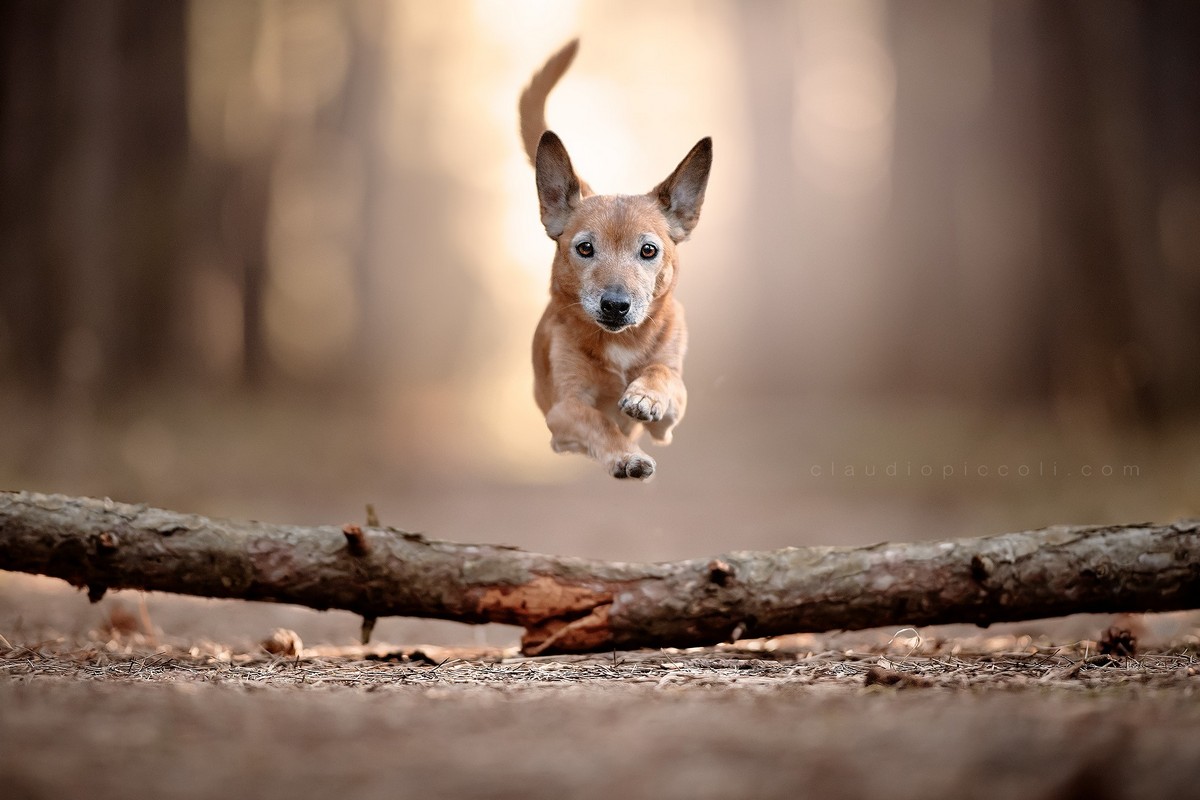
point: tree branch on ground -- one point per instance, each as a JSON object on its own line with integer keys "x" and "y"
{"x": 579, "y": 605}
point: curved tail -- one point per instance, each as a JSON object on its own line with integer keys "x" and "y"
{"x": 532, "y": 105}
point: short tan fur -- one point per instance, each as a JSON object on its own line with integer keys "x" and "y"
{"x": 608, "y": 352}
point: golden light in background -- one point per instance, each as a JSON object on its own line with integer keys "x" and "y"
{"x": 311, "y": 304}
{"x": 221, "y": 94}
{"x": 533, "y": 22}
{"x": 610, "y": 148}
{"x": 629, "y": 110}
{"x": 258, "y": 75}
{"x": 845, "y": 97}
{"x": 302, "y": 55}
{"x": 317, "y": 187}
{"x": 455, "y": 193}
{"x": 249, "y": 126}
{"x": 452, "y": 119}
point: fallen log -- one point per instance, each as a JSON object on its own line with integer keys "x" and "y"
{"x": 579, "y": 605}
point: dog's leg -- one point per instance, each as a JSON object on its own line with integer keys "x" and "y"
{"x": 658, "y": 398}
{"x": 577, "y": 427}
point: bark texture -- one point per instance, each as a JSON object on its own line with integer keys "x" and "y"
{"x": 577, "y": 605}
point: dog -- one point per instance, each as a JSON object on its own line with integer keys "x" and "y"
{"x": 608, "y": 351}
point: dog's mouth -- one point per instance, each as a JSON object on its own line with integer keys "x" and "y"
{"x": 614, "y": 325}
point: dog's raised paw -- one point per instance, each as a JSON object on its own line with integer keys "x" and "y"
{"x": 643, "y": 406}
{"x": 633, "y": 465}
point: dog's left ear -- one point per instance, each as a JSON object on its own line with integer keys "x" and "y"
{"x": 682, "y": 194}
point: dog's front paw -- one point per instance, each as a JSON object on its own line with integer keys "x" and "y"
{"x": 633, "y": 465}
{"x": 646, "y": 406}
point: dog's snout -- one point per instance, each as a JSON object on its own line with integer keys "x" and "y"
{"x": 614, "y": 303}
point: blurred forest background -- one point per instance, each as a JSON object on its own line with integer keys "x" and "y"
{"x": 280, "y": 258}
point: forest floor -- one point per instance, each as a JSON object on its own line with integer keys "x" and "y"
{"x": 118, "y": 713}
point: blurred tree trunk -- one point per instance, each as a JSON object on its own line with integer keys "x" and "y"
{"x": 32, "y": 275}
{"x": 1119, "y": 326}
{"x": 1086, "y": 302}
{"x": 245, "y": 222}
{"x": 1150, "y": 127}
{"x": 93, "y": 132}
{"x": 1092, "y": 111}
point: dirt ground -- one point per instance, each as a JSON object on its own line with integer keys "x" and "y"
{"x": 104, "y": 710}
{"x": 688, "y": 725}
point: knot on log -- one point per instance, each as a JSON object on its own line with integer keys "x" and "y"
{"x": 106, "y": 542}
{"x": 719, "y": 572}
{"x": 356, "y": 540}
{"x": 981, "y": 568}
{"x": 1099, "y": 571}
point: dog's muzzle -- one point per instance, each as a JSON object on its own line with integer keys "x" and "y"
{"x": 614, "y": 309}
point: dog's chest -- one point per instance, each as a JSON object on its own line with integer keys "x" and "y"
{"x": 622, "y": 360}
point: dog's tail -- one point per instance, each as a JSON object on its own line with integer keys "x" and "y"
{"x": 532, "y": 104}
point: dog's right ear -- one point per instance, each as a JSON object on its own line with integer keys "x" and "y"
{"x": 557, "y": 185}
{"x": 681, "y": 195}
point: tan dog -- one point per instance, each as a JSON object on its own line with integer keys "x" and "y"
{"x": 608, "y": 352}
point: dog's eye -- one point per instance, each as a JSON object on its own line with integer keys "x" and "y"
{"x": 585, "y": 249}
{"x": 649, "y": 251}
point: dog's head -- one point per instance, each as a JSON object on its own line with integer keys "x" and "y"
{"x": 616, "y": 253}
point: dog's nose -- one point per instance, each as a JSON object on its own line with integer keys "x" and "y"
{"x": 614, "y": 303}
